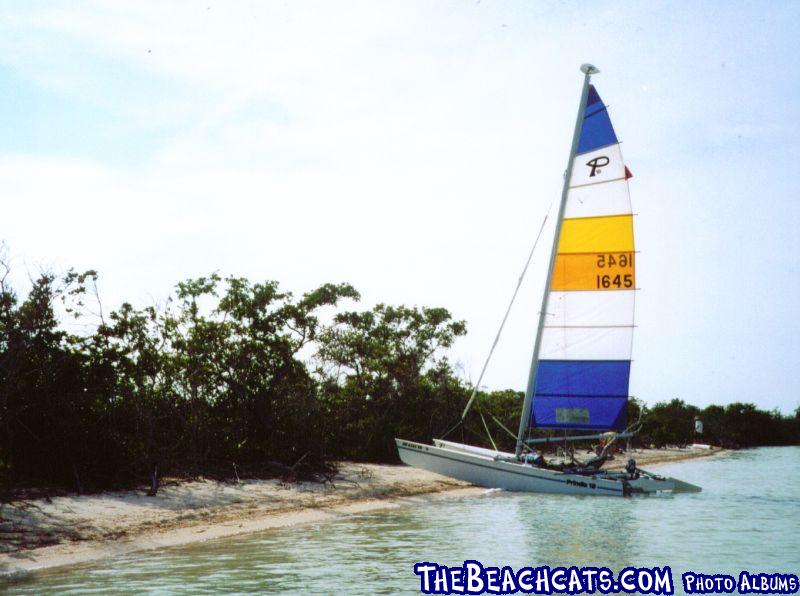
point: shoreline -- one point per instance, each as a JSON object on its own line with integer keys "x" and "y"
{"x": 75, "y": 529}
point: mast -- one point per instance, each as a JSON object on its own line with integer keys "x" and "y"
{"x": 588, "y": 70}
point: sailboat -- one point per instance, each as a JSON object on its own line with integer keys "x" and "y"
{"x": 580, "y": 369}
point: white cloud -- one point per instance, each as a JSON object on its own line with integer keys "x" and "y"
{"x": 410, "y": 148}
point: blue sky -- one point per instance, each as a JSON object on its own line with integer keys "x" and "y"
{"x": 412, "y": 148}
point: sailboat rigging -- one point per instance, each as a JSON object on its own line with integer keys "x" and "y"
{"x": 580, "y": 367}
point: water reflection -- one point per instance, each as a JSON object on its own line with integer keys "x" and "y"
{"x": 568, "y": 530}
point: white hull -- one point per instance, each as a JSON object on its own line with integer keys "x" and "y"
{"x": 493, "y": 470}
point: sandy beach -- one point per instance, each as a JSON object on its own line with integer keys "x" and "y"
{"x": 66, "y": 530}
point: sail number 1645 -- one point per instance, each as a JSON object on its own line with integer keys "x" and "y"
{"x": 614, "y": 261}
{"x": 623, "y": 259}
{"x": 615, "y": 281}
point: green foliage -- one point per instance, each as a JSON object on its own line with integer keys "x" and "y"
{"x": 669, "y": 423}
{"x": 234, "y": 373}
{"x": 211, "y": 381}
{"x": 735, "y": 425}
{"x": 383, "y": 375}
{"x": 495, "y": 406}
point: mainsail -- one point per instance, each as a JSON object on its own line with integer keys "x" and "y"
{"x": 583, "y": 355}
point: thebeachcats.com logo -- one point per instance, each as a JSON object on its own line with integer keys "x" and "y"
{"x": 472, "y": 577}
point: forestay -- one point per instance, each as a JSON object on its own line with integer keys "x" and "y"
{"x": 584, "y": 359}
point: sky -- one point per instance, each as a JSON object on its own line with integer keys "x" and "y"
{"x": 412, "y": 149}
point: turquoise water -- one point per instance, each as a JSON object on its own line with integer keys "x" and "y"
{"x": 747, "y": 518}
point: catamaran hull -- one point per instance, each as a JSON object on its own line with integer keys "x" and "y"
{"x": 482, "y": 467}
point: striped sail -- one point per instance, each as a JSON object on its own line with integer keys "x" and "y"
{"x": 585, "y": 351}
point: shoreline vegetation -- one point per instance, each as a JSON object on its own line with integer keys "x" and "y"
{"x": 72, "y": 529}
{"x": 238, "y": 383}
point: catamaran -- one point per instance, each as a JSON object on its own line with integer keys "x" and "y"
{"x": 580, "y": 369}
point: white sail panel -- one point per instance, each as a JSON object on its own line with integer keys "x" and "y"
{"x": 610, "y": 198}
{"x": 601, "y": 165}
{"x": 586, "y": 343}
{"x": 591, "y": 308}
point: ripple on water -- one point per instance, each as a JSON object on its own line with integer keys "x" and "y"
{"x": 745, "y": 518}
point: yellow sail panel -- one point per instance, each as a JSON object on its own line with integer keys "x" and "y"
{"x": 594, "y": 271}
{"x": 612, "y": 233}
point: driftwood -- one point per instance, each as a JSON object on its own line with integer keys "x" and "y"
{"x": 303, "y": 470}
{"x": 153, "y": 482}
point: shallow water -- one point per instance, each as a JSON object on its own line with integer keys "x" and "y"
{"x": 746, "y": 518}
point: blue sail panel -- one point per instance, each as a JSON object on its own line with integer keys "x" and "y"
{"x": 596, "y": 130}
{"x": 581, "y": 394}
{"x": 583, "y": 378}
{"x": 580, "y": 413}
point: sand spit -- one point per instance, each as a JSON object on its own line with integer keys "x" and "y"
{"x": 73, "y": 529}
